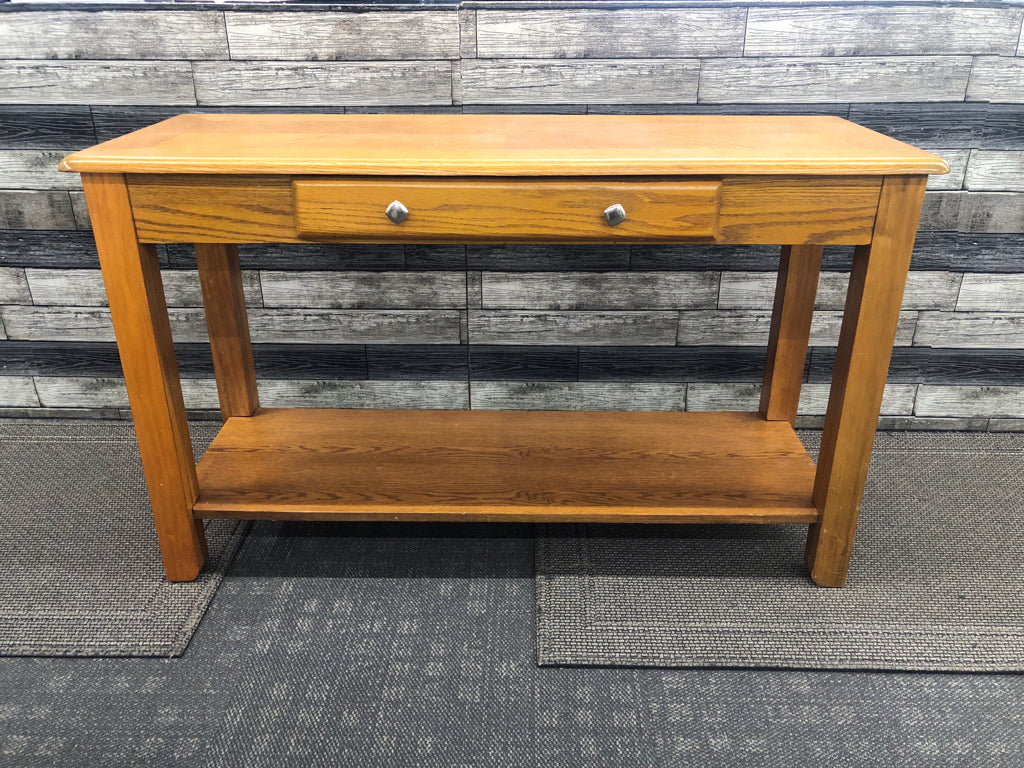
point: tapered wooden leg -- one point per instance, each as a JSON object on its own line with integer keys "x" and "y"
{"x": 865, "y": 346}
{"x": 135, "y": 292}
{"x": 795, "y": 290}
{"x": 228, "y": 324}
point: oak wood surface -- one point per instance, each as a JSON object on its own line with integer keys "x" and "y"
{"x": 501, "y": 210}
{"x": 142, "y": 328}
{"x": 228, "y": 325}
{"x": 506, "y": 465}
{"x": 858, "y": 380}
{"x": 514, "y": 145}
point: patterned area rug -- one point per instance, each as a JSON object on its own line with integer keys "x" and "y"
{"x": 80, "y": 569}
{"x": 936, "y": 581}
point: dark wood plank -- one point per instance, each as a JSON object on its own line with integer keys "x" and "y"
{"x": 523, "y": 363}
{"x": 554, "y": 258}
{"x": 955, "y": 367}
{"x": 44, "y": 127}
{"x": 305, "y": 256}
{"x": 951, "y": 126}
{"x": 417, "y": 362}
{"x": 717, "y": 364}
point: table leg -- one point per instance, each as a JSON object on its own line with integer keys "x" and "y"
{"x": 862, "y": 362}
{"x": 795, "y": 290}
{"x": 228, "y": 324}
{"x": 143, "y": 331}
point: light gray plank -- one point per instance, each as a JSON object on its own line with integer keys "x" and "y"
{"x": 612, "y": 34}
{"x": 14, "y": 286}
{"x": 820, "y": 80}
{"x": 929, "y": 424}
{"x": 86, "y": 324}
{"x": 591, "y": 81}
{"x": 584, "y": 328}
{"x": 998, "y": 79}
{"x": 364, "y": 394}
{"x": 35, "y": 210}
{"x": 578, "y": 396}
{"x": 81, "y": 392}
{"x": 35, "y": 169}
{"x": 467, "y": 33}
{"x": 957, "y": 159}
{"x": 97, "y": 82}
{"x": 973, "y": 212}
{"x": 881, "y": 30}
{"x": 995, "y": 171}
{"x": 897, "y": 400}
{"x": 747, "y": 327}
{"x": 80, "y": 210}
{"x": 991, "y": 293}
{"x": 84, "y": 287}
{"x": 600, "y": 290}
{"x": 314, "y": 84}
{"x": 756, "y": 290}
{"x": 941, "y": 211}
{"x": 18, "y": 392}
{"x": 359, "y": 290}
{"x": 1006, "y": 425}
{"x": 339, "y": 36}
{"x": 474, "y": 290}
{"x": 120, "y": 34}
{"x": 355, "y": 326}
{"x": 993, "y": 402}
{"x": 966, "y": 330}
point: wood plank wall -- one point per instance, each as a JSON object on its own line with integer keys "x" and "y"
{"x": 650, "y": 327}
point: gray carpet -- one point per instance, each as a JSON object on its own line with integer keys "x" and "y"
{"x": 80, "y": 569}
{"x": 936, "y": 581}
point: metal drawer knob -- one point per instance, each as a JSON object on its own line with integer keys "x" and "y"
{"x": 398, "y": 212}
{"x": 615, "y": 214}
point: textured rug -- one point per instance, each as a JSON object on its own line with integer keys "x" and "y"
{"x": 80, "y": 569}
{"x": 936, "y": 581}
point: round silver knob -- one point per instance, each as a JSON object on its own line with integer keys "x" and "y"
{"x": 615, "y": 214}
{"x": 398, "y": 212}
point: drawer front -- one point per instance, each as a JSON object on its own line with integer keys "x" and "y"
{"x": 506, "y": 210}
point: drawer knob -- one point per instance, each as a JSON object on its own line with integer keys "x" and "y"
{"x": 396, "y": 211}
{"x": 615, "y": 214}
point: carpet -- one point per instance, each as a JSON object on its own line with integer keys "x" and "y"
{"x": 80, "y": 569}
{"x": 935, "y": 582}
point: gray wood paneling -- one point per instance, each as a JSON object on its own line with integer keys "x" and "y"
{"x": 590, "y": 81}
{"x": 968, "y": 252}
{"x": 961, "y": 126}
{"x": 750, "y": 327}
{"x": 993, "y": 170}
{"x": 881, "y": 30}
{"x": 992, "y": 293}
{"x": 358, "y": 290}
{"x": 897, "y": 400}
{"x": 578, "y": 396}
{"x": 1006, "y": 425}
{"x": 84, "y": 288}
{"x": 984, "y": 330}
{"x": 80, "y": 210}
{"x": 529, "y": 258}
{"x": 14, "y": 286}
{"x": 355, "y": 326}
{"x": 957, "y": 159}
{"x": 511, "y": 327}
{"x": 842, "y": 79}
{"x": 981, "y": 212}
{"x": 35, "y": 210}
{"x": 364, "y": 394}
{"x": 612, "y": 34}
{"x": 605, "y": 290}
{"x": 935, "y": 400}
{"x": 96, "y": 82}
{"x": 998, "y": 79}
{"x": 338, "y": 83}
{"x": 35, "y": 169}
{"x": 907, "y": 423}
{"x": 81, "y": 392}
{"x": 34, "y": 127}
{"x": 120, "y": 34}
{"x": 339, "y": 36}
{"x": 756, "y": 290}
{"x": 18, "y": 392}
{"x": 467, "y": 33}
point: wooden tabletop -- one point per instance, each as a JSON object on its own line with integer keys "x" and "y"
{"x": 517, "y": 145}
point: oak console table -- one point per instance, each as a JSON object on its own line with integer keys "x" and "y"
{"x": 219, "y": 180}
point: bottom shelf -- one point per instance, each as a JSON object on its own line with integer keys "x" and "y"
{"x": 552, "y": 466}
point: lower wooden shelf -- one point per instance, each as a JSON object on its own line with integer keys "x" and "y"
{"x": 311, "y": 464}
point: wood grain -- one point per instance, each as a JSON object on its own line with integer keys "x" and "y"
{"x": 329, "y": 393}
{"x": 14, "y": 286}
{"x": 35, "y": 210}
{"x": 84, "y": 287}
{"x": 865, "y": 344}
{"x": 991, "y": 293}
{"x": 997, "y": 79}
{"x": 18, "y": 392}
{"x": 966, "y": 401}
{"x": 143, "y": 333}
{"x": 612, "y": 34}
{"x": 96, "y": 82}
{"x": 27, "y": 126}
{"x": 578, "y": 396}
{"x": 504, "y": 145}
{"x": 330, "y": 36}
{"x": 790, "y": 331}
{"x": 538, "y": 327}
{"x": 884, "y": 30}
{"x": 838, "y": 79}
{"x": 995, "y": 171}
{"x": 606, "y": 290}
{"x": 494, "y": 465}
{"x": 363, "y": 289}
{"x": 228, "y": 326}
{"x": 897, "y": 399}
{"x": 972, "y": 330}
{"x": 34, "y": 169}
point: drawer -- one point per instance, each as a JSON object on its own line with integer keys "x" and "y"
{"x": 463, "y": 210}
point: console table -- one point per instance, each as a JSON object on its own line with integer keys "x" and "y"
{"x": 219, "y": 180}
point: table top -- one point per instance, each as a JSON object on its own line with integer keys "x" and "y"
{"x": 505, "y": 145}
